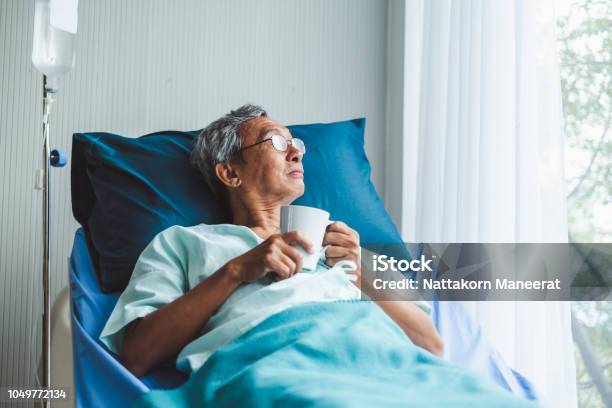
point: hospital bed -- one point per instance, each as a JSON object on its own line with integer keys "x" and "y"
{"x": 80, "y": 363}
{"x": 99, "y": 379}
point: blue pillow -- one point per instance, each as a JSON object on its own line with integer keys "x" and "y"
{"x": 337, "y": 179}
{"x": 127, "y": 190}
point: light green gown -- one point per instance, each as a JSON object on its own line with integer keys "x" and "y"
{"x": 179, "y": 258}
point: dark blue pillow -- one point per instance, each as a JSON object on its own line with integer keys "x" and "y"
{"x": 127, "y": 190}
{"x": 337, "y": 179}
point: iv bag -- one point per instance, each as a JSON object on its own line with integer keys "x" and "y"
{"x": 53, "y": 48}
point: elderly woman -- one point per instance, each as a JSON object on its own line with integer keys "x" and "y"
{"x": 230, "y": 304}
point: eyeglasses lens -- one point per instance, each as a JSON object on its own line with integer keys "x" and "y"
{"x": 281, "y": 144}
{"x": 299, "y": 144}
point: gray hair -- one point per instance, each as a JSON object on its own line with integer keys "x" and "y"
{"x": 219, "y": 142}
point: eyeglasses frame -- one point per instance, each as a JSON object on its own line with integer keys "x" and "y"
{"x": 288, "y": 141}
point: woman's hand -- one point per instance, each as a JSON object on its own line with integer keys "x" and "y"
{"x": 343, "y": 244}
{"x": 276, "y": 254}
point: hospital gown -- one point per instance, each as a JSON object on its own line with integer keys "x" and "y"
{"x": 179, "y": 258}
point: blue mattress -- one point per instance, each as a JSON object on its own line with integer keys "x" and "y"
{"x": 101, "y": 380}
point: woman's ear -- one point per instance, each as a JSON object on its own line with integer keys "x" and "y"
{"x": 227, "y": 175}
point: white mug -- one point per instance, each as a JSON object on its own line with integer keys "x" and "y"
{"x": 311, "y": 223}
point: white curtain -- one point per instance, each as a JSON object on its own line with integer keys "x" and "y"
{"x": 482, "y": 157}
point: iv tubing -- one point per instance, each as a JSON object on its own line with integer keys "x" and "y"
{"x": 46, "y": 350}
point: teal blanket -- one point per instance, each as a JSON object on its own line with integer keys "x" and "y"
{"x": 337, "y": 354}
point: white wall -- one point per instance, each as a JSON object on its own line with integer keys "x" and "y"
{"x": 147, "y": 65}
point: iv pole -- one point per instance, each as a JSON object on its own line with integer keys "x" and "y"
{"x": 46, "y": 351}
{"x": 54, "y": 158}
{"x": 55, "y": 24}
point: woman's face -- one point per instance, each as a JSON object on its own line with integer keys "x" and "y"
{"x": 266, "y": 173}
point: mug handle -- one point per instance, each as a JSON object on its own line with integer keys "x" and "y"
{"x": 348, "y": 267}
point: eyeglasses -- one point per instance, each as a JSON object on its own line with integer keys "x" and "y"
{"x": 281, "y": 144}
